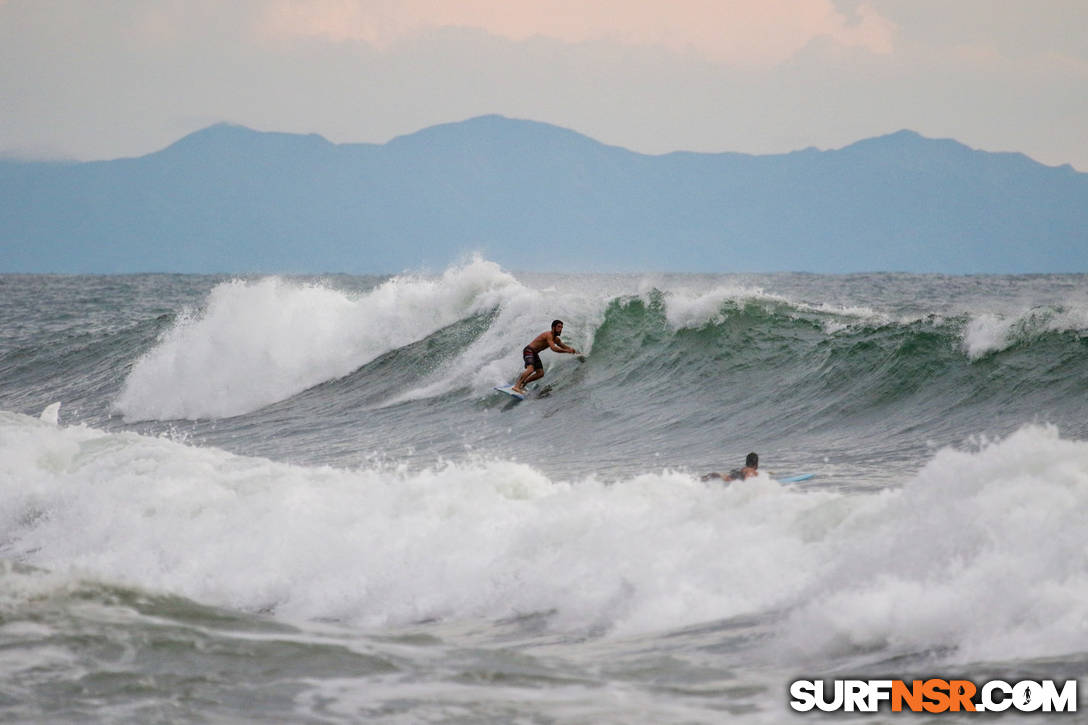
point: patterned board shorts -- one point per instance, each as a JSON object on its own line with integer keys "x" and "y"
{"x": 531, "y": 357}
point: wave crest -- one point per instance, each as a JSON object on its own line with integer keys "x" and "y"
{"x": 256, "y": 343}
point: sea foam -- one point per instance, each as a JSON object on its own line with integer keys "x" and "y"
{"x": 256, "y": 343}
{"x": 477, "y": 539}
{"x": 989, "y": 332}
{"x": 984, "y": 552}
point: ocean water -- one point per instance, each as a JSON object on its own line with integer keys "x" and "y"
{"x": 298, "y": 500}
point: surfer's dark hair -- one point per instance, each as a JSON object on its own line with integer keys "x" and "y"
{"x": 752, "y": 461}
{"x": 556, "y": 322}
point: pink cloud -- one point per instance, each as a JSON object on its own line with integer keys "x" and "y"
{"x": 737, "y": 32}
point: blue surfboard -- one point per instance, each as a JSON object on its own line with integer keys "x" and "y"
{"x": 796, "y": 479}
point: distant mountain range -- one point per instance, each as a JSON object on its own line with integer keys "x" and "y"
{"x": 534, "y": 196}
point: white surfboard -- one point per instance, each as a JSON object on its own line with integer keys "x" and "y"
{"x": 509, "y": 390}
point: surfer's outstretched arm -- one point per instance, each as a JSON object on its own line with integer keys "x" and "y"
{"x": 558, "y": 345}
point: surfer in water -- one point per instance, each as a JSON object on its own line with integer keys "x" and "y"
{"x": 534, "y": 369}
{"x": 751, "y": 468}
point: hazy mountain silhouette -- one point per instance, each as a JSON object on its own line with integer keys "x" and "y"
{"x": 534, "y": 196}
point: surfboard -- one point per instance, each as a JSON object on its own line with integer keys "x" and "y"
{"x": 785, "y": 479}
{"x": 508, "y": 389}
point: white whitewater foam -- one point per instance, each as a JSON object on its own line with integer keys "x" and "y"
{"x": 692, "y": 308}
{"x": 257, "y": 343}
{"x": 688, "y": 308}
{"x": 989, "y": 332}
{"x": 51, "y": 414}
{"x": 983, "y": 551}
{"x": 487, "y": 539}
{"x": 984, "y": 334}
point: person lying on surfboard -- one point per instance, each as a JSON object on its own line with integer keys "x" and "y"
{"x": 534, "y": 369}
{"x": 751, "y": 468}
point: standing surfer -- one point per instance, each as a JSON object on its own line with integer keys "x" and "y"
{"x": 534, "y": 369}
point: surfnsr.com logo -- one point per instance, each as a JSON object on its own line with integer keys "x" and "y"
{"x": 934, "y": 696}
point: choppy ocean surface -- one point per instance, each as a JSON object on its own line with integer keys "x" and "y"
{"x": 281, "y": 499}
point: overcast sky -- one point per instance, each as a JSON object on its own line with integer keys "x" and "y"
{"x": 96, "y": 79}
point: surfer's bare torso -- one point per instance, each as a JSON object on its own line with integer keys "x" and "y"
{"x": 547, "y": 339}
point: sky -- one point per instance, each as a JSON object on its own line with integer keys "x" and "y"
{"x": 101, "y": 79}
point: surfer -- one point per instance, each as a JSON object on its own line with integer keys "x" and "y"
{"x": 751, "y": 468}
{"x": 534, "y": 369}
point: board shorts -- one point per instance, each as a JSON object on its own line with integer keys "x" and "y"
{"x": 531, "y": 357}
